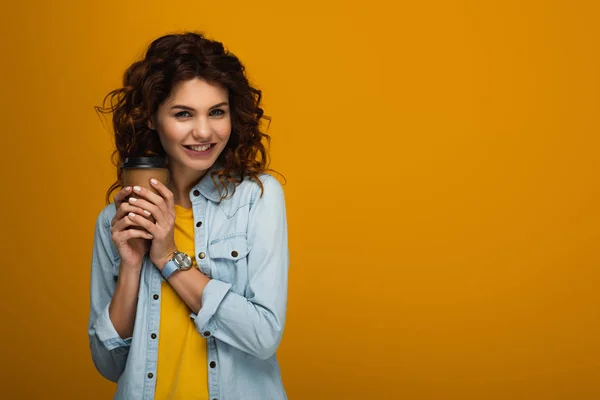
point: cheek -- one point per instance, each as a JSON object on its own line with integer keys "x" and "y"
{"x": 225, "y": 136}
{"x": 224, "y": 131}
{"x": 170, "y": 133}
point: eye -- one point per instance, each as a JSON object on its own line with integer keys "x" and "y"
{"x": 218, "y": 110}
{"x": 179, "y": 114}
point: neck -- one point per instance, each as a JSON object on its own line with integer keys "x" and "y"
{"x": 181, "y": 181}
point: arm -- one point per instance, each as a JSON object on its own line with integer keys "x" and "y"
{"x": 109, "y": 350}
{"x": 253, "y": 324}
{"x": 123, "y": 305}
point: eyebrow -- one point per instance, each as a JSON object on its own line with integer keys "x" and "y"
{"x": 191, "y": 109}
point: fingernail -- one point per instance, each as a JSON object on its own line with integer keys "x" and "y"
{"x": 128, "y": 188}
{"x": 137, "y": 188}
{"x": 131, "y": 214}
{"x": 146, "y": 212}
{"x": 132, "y": 199}
{"x": 154, "y": 181}
{"x": 149, "y": 235}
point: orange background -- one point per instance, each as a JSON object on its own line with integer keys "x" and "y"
{"x": 442, "y": 191}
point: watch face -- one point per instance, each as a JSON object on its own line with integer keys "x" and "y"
{"x": 183, "y": 260}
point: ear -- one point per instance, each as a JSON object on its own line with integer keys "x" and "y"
{"x": 150, "y": 123}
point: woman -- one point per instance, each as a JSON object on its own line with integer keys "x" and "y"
{"x": 210, "y": 331}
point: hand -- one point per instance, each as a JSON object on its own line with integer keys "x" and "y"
{"x": 162, "y": 208}
{"x": 131, "y": 244}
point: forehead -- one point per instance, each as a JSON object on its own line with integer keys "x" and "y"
{"x": 197, "y": 93}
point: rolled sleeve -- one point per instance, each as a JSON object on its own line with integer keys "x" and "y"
{"x": 212, "y": 296}
{"x": 106, "y": 332}
{"x": 109, "y": 351}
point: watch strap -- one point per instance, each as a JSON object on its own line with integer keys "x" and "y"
{"x": 169, "y": 268}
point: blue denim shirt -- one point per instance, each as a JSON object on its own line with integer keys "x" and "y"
{"x": 244, "y": 247}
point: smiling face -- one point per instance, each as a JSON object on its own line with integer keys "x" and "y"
{"x": 194, "y": 125}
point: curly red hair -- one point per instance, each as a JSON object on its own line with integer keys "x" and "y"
{"x": 147, "y": 83}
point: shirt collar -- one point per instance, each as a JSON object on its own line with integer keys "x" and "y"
{"x": 207, "y": 187}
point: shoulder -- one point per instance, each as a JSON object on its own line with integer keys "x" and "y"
{"x": 269, "y": 186}
{"x": 249, "y": 191}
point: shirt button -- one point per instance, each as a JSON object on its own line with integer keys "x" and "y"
{"x": 150, "y": 375}
{"x": 206, "y": 334}
{"x": 155, "y": 297}
{"x": 201, "y": 256}
{"x": 213, "y": 364}
{"x": 196, "y": 193}
{"x": 153, "y": 336}
{"x": 198, "y": 224}
{"x": 234, "y": 253}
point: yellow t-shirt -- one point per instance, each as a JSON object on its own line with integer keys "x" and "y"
{"x": 182, "y": 370}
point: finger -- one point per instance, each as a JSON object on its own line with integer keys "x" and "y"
{"x": 124, "y": 224}
{"x": 124, "y": 209}
{"x": 122, "y": 237}
{"x": 136, "y": 233}
{"x": 118, "y": 199}
{"x": 151, "y": 202}
{"x": 164, "y": 191}
{"x": 121, "y": 194}
{"x": 132, "y": 206}
{"x": 121, "y": 212}
{"x": 141, "y": 221}
{"x": 142, "y": 204}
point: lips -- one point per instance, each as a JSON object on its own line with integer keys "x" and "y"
{"x": 202, "y": 152}
{"x": 199, "y": 148}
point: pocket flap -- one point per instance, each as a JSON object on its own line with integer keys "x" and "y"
{"x": 231, "y": 249}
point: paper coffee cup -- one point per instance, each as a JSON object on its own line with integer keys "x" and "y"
{"x": 137, "y": 171}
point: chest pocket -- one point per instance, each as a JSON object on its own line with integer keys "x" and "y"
{"x": 229, "y": 257}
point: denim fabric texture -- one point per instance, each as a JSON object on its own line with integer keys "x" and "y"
{"x": 244, "y": 246}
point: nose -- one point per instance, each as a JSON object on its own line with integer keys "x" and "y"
{"x": 202, "y": 130}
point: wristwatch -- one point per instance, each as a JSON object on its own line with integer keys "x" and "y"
{"x": 179, "y": 262}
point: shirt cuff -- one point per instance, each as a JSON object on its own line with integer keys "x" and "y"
{"x": 106, "y": 332}
{"x": 213, "y": 294}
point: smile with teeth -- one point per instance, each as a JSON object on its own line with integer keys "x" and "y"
{"x": 200, "y": 148}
